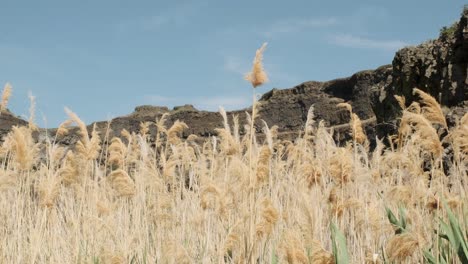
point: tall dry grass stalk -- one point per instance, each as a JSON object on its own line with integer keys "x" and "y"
{"x": 230, "y": 198}
{"x": 356, "y": 126}
{"x": 32, "y": 112}
{"x": 7, "y": 90}
{"x": 431, "y": 110}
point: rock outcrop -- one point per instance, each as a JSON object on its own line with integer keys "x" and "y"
{"x": 7, "y": 120}
{"x": 438, "y": 67}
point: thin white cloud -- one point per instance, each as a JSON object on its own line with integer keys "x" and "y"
{"x": 150, "y": 23}
{"x": 352, "y": 41}
{"x": 298, "y": 24}
{"x": 174, "y": 16}
{"x": 235, "y": 65}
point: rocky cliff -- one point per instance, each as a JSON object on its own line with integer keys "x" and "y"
{"x": 438, "y": 67}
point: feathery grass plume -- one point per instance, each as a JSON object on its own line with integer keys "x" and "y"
{"x": 133, "y": 148}
{"x": 401, "y": 194}
{"x": 117, "y": 152}
{"x": 70, "y": 171}
{"x": 417, "y": 125}
{"x": 269, "y": 218}
{"x": 258, "y": 75}
{"x": 356, "y": 125}
{"x": 402, "y": 246}
{"x": 88, "y": 148}
{"x": 319, "y": 255}
{"x": 400, "y": 163}
{"x": 341, "y": 166}
{"x": 32, "y": 112}
{"x": 333, "y": 196}
{"x": 401, "y": 100}
{"x": 228, "y": 145}
{"x": 168, "y": 167}
{"x": 233, "y": 239}
{"x": 161, "y": 127}
{"x": 347, "y": 106}
{"x": 263, "y": 165}
{"x": 122, "y": 183}
{"x": 431, "y": 108}
{"x": 5, "y": 97}
{"x": 225, "y": 119}
{"x": 308, "y": 128}
{"x": 124, "y": 133}
{"x": 144, "y": 129}
{"x": 459, "y": 139}
{"x": 235, "y": 120}
{"x": 174, "y": 131}
{"x": 192, "y": 138}
{"x": 239, "y": 171}
{"x": 20, "y": 143}
{"x": 372, "y": 219}
{"x": 95, "y": 144}
{"x": 81, "y": 125}
{"x": 435, "y": 203}
{"x": 340, "y": 206}
{"x": 49, "y": 189}
{"x": 268, "y": 134}
{"x": 291, "y": 249}
{"x": 414, "y": 107}
{"x": 161, "y": 123}
{"x": 377, "y": 158}
{"x": 312, "y": 173}
{"x": 62, "y": 130}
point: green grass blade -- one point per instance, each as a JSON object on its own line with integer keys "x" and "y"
{"x": 402, "y": 213}
{"x": 455, "y": 235}
{"x": 339, "y": 246}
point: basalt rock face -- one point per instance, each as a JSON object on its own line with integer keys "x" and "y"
{"x": 438, "y": 67}
{"x": 8, "y": 120}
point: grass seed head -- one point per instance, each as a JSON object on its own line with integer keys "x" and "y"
{"x": 257, "y": 76}
{"x": 5, "y": 97}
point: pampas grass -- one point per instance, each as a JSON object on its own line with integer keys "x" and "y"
{"x": 174, "y": 132}
{"x": 235, "y": 197}
{"x": 431, "y": 110}
{"x": 7, "y": 90}
{"x": 356, "y": 126}
{"x": 257, "y": 76}
{"x": 122, "y": 183}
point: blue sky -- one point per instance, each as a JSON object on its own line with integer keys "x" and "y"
{"x": 103, "y": 58}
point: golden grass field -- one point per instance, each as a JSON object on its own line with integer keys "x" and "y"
{"x": 235, "y": 198}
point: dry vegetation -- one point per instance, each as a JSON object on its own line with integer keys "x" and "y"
{"x": 237, "y": 199}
